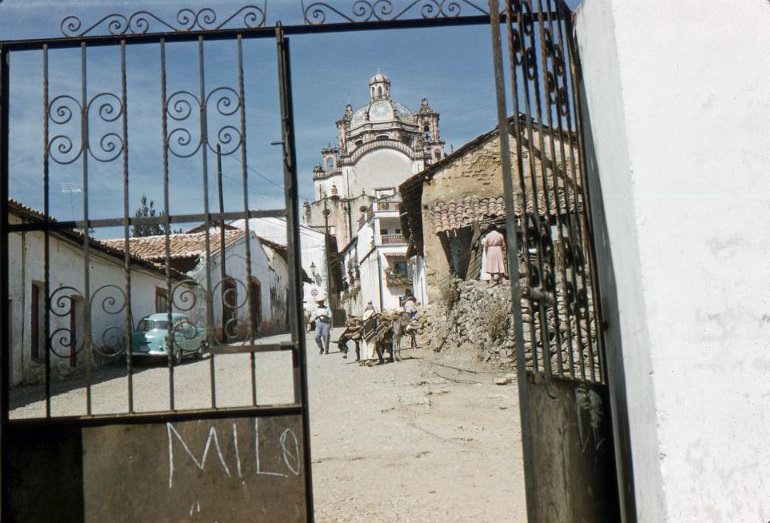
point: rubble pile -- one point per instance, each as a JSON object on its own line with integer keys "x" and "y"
{"x": 477, "y": 318}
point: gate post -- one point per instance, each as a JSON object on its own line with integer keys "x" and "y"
{"x": 296, "y": 312}
{"x": 513, "y": 263}
{"x": 5, "y": 320}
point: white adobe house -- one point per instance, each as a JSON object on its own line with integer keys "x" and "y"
{"x": 376, "y": 264}
{"x": 68, "y": 302}
{"x": 312, "y": 244}
{"x": 264, "y": 294}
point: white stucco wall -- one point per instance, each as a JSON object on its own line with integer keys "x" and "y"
{"x": 267, "y": 267}
{"x": 381, "y": 168}
{"x": 419, "y": 286}
{"x": 26, "y": 260}
{"x": 311, "y": 244}
{"x": 678, "y": 95}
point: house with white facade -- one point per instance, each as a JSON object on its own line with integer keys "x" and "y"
{"x": 103, "y": 305}
{"x": 313, "y": 254}
{"x": 248, "y": 278}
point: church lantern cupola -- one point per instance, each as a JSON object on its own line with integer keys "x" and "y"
{"x": 379, "y": 87}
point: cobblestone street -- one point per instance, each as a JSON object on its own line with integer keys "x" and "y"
{"x": 430, "y": 438}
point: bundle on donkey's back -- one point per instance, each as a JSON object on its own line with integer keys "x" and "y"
{"x": 379, "y": 333}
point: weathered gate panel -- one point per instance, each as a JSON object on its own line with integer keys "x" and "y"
{"x": 572, "y": 452}
{"x": 567, "y": 425}
{"x": 235, "y": 469}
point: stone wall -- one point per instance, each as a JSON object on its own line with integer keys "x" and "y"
{"x": 472, "y": 316}
{"x": 478, "y": 321}
{"x": 476, "y": 173}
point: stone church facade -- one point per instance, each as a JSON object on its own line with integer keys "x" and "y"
{"x": 379, "y": 146}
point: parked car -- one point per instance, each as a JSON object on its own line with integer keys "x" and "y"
{"x": 150, "y": 339}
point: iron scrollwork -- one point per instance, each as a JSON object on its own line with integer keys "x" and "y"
{"x": 186, "y": 20}
{"x": 107, "y": 145}
{"x": 64, "y": 342}
{"x": 184, "y": 143}
{"x": 316, "y": 13}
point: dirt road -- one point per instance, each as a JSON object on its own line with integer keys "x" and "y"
{"x": 430, "y": 438}
{"x": 418, "y": 440}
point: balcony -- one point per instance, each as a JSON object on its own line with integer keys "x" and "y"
{"x": 392, "y": 239}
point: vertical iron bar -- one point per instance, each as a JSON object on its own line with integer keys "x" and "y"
{"x": 129, "y": 324}
{"x": 585, "y": 238}
{"x": 86, "y": 230}
{"x": 46, "y": 237}
{"x": 564, "y": 134}
{"x": 522, "y": 195}
{"x": 170, "y": 339}
{"x": 204, "y": 153}
{"x": 525, "y": 25}
{"x": 294, "y": 251}
{"x": 223, "y": 290}
{"x": 247, "y": 225}
{"x": 513, "y": 261}
{"x": 524, "y": 22}
{"x": 5, "y": 327}
{"x": 555, "y": 174}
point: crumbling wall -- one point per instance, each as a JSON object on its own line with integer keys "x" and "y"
{"x": 472, "y": 316}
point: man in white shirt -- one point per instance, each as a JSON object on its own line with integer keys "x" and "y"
{"x": 322, "y": 317}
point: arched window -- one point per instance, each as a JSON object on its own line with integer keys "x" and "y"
{"x": 372, "y": 92}
{"x": 359, "y": 143}
{"x": 426, "y": 129}
{"x": 379, "y": 91}
{"x": 329, "y": 164}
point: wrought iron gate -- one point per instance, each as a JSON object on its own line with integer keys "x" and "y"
{"x": 186, "y": 451}
{"x": 570, "y": 432}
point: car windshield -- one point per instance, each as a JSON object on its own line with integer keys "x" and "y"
{"x": 148, "y": 325}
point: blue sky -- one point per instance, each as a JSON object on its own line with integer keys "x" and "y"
{"x": 450, "y": 66}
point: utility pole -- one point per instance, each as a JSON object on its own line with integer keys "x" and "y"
{"x": 326, "y": 213}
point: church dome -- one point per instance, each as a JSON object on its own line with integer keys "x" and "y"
{"x": 382, "y": 111}
{"x": 381, "y": 107}
{"x": 379, "y": 77}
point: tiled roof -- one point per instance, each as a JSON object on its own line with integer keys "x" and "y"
{"x": 184, "y": 245}
{"x": 454, "y": 214}
{"x": 112, "y": 248}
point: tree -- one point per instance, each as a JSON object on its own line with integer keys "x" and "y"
{"x": 147, "y": 210}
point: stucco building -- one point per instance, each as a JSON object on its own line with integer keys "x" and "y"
{"x": 67, "y": 302}
{"x": 259, "y": 300}
{"x": 447, "y": 206}
{"x": 379, "y": 145}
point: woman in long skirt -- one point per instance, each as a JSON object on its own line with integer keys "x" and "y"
{"x": 494, "y": 249}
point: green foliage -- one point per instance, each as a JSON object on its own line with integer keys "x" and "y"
{"x": 147, "y": 210}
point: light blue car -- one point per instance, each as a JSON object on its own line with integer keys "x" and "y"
{"x": 150, "y": 339}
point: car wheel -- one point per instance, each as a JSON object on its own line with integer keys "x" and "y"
{"x": 177, "y": 356}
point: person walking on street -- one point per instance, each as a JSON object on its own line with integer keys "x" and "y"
{"x": 322, "y": 316}
{"x": 409, "y": 303}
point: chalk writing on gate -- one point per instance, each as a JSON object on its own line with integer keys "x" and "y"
{"x": 180, "y": 451}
